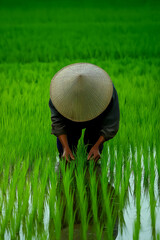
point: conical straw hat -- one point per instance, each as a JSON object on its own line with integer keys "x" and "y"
{"x": 81, "y": 91}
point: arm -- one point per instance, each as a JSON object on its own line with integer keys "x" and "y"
{"x": 100, "y": 141}
{"x": 59, "y": 130}
{"x": 66, "y": 149}
{"x": 58, "y": 121}
{"x": 110, "y": 118}
{"x": 109, "y": 125}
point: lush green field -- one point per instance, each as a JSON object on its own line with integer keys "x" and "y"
{"x": 36, "y": 41}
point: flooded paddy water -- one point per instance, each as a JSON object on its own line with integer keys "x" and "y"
{"x": 70, "y": 202}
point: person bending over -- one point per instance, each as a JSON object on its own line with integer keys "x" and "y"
{"x": 82, "y": 96}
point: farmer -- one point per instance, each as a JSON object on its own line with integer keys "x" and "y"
{"x": 82, "y": 95}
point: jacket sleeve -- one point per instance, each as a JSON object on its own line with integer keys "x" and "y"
{"x": 58, "y": 126}
{"x": 110, "y": 120}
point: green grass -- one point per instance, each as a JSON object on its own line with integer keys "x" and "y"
{"x": 37, "y": 40}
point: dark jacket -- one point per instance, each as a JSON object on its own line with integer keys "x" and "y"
{"x": 107, "y": 122}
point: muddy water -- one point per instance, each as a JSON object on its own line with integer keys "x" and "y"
{"x": 91, "y": 234}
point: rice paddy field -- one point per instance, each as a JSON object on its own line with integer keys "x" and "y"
{"x": 41, "y": 197}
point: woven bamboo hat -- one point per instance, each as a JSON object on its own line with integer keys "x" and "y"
{"x": 81, "y": 91}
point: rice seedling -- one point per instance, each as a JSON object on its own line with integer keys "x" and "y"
{"x": 10, "y": 201}
{"x": 146, "y": 168}
{"x": 83, "y": 202}
{"x": 118, "y": 173}
{"x": 56, "y": 207}
{"x": 42, "y": 190}
{"x": 34, "y": 200}
{"x": 4, "y": 184}
{"x": 94, "y": 200}
{"x": 110, "y": 206}
{"x": 112, "y": 162}
{"x": 137, "y": 223}
{"x": 69, "y": 194}
{"x": 152, "y": 196}
{"x": 18, "y": 216}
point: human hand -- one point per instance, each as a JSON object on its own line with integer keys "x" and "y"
{"x": 94, "y": 153}
{"x": 67, "y": 154}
